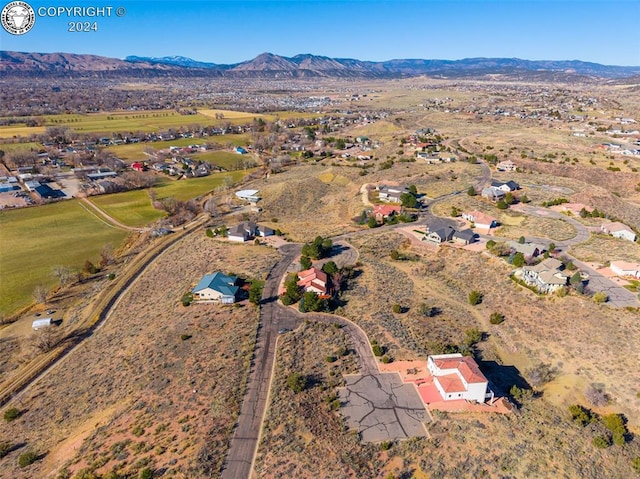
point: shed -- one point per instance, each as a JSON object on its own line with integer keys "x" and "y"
{"x": 42, "y": 323}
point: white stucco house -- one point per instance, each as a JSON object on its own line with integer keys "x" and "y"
{"x": 624, "y": 268}
{"x": 458, "y": 377}
{"x": 619, "y": 230}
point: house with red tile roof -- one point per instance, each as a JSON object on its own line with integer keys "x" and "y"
{"x": 313, "y": 279}
{"x": 382, "y": 212}
{"x": 458, "y": 377}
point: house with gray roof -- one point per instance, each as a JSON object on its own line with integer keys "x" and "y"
{"x": 216, "y": 287}
{"x": 248, "y": 230}
{"x": 547, "y": 276}
{"x": 465, "y": 236}
{"x": 493, "y": 193}
{"x": 528, "y": 250}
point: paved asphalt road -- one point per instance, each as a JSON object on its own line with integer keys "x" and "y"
{"x": 273, "y": 316}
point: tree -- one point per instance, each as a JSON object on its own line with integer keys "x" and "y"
{"x": 518, "y": 260}
{"x": 145, "y": 473}
{"x": 472, "y": 336}
{"x": 408, "y": 200}
{"x": 310, "y": 301}
{"x": 371, "y": 222}
{"x": 297, "y": 382}
{"x": 89, "y": 268}
{"x": 581, "y": 415}
{"x": 472, "y": 191}
{"x": 63, "y": 274}
{"x": 330, "y": 268}
{"x": 223, "y": 231}
{"x": 475, "y": 297}
{"x": 5, "y": 448}
{"x": 377, "y": 350}
{"x": 509, "y": 199}
{"x": 524, "y": 199}
{"x": 635, "y": 463}
{"x": 40, "y": 294}
{"x": 455, "y": 212}
{"x": 211, "y": 207}
{"x": 490, "y": 244}
{"x": 575, "y": 279}
{"x": 209, "y": 233}
{"x": 552, "y": 247}
{"x": 305, "y": 262}
{"x": 522, "y": 240}
{"x": 106, "y": 255}
{"x": 413, "y": 190}
{"x": 427, "y": 311}
{"x": 255, "y": 292}
{"x": 502, "y": 205}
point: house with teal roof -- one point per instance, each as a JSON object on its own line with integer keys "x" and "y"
{"x": 216, "y": 287}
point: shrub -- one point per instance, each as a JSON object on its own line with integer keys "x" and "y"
{"x": 377, "y": 350}
{"x": 146, "y": 473}
{"x": 11, "y": 414}
{"x": 297, "y": 382}
{"x": 331, "y": 359}
{"x": 186, "y": 299}
{"x": 5, "y": 448}
{"x": 386, "y": 359}
{"x": 580, "y": 415}
{"x": 635, "y": 463}
{"x": 602, "y": 442}
{"x": 396, "y": 308}
{"x": 502, "y": 205}
{"x": 490, "y": 244}
{"x": 600, "y": 297}
{"x": 475, "y": 297}
{"x": 27, "y": 458}
{"x": 616, "y": 424}
{"x": 395, "y": 255}
{"x": 209, "y": 233}
{"x": 184, "y": 337}
{"x": 496, "y": 318}
{"x": 471, "y": 191}
{"x": 111, "y": 276}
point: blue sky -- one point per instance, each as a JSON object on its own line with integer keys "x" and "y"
{"x": 233, "y": 31}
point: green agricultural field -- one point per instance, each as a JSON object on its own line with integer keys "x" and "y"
{"x": 135, "y": 151}
{"x": 133, "y": 208}
{"x": 35, "y": 240}
{"x": 184, "y": 190}
{"x": 125, "y": 122}
{"x": 224, "y": 159}
{"x": 32, "y": 145}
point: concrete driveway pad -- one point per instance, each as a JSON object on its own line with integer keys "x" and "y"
{"x": 382, "y": 408}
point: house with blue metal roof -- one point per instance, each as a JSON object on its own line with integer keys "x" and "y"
{"x": 216, "y": 287}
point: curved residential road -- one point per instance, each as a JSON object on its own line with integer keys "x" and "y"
{"x": 273, "y": 317}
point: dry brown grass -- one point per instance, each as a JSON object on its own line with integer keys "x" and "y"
{"x": 600, "y": 248}
{"x": 172, "y": 403}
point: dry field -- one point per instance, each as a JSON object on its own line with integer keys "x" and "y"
{"x": 601, "y": 248}
{"x": 140, "y": 394}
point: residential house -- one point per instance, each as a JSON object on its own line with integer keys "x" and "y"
{"x": 480, "y": 219}
{"x": 458, "y": 377}
{"x": 506, "y": 165}
{"x": 464, "y": 236}
{"x": 248, "y": 195}
{"x": 391, "y": 194}
{"x": 315, "y": 280}
{"x": 619, "y": 230}
{"x": 623, "y": 268}
{"x": 505, "y": 186}
{"x": 216, "y": 287}
{"x": 528, "y": 250}
{"x": 547, "y": 276}
{"x": 248, "y": 230}
{"x": 440, "y": 235}
{"x": 492, "y": 193}
{"x": 382, "y": 212}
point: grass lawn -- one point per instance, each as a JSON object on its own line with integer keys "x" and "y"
{"x": 34, "y": 240}
{"x": 133, "y": 208}
{"x": 224, "y": 159}
{"x": 28, "y": 146}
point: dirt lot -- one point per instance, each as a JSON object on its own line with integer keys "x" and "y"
{"x": 158, "y": 386}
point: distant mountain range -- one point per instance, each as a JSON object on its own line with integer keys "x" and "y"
{"x": 268, "y": 65}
